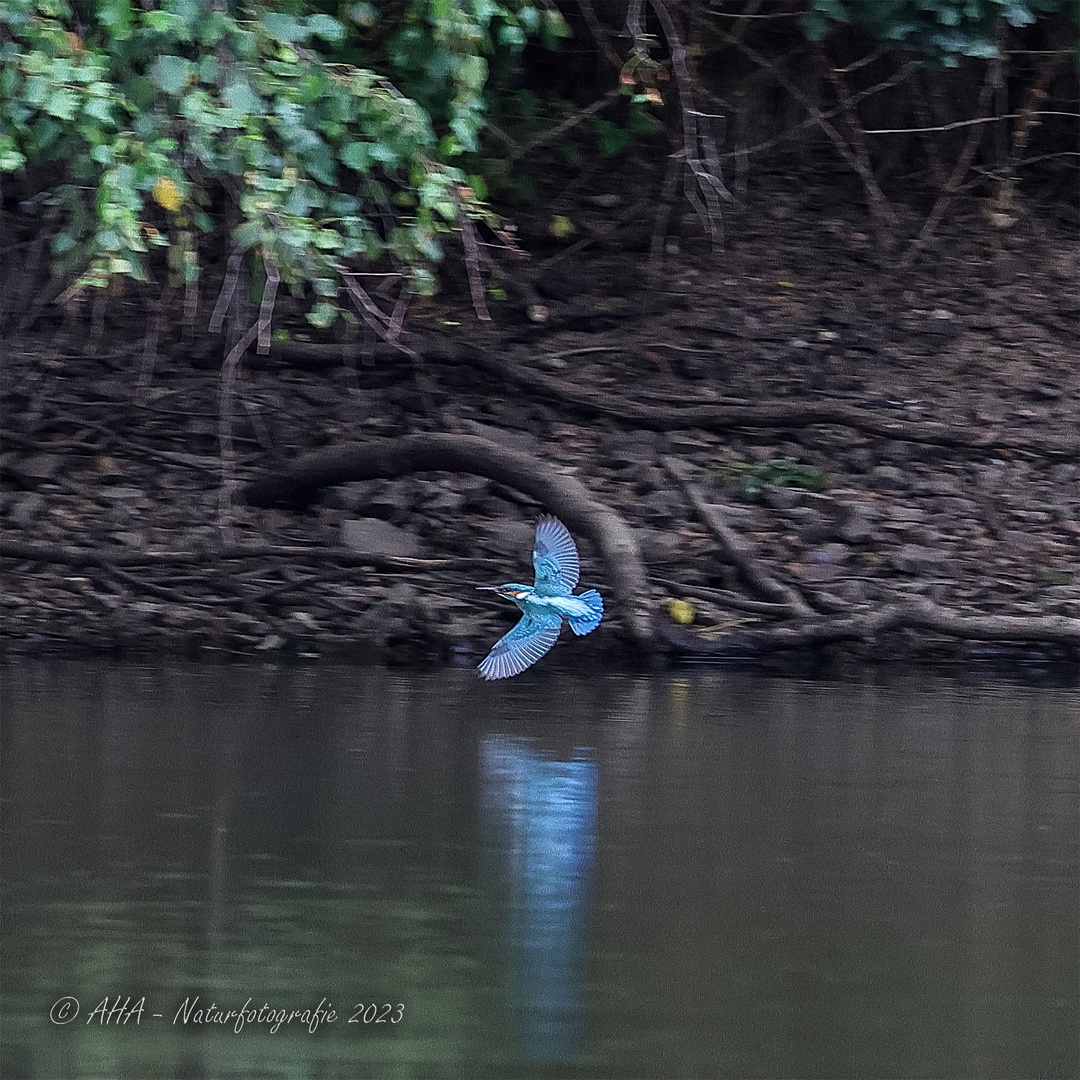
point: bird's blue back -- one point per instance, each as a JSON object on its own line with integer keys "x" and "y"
{"x": 555, "y": 559}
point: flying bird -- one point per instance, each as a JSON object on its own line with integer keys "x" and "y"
{"x": 544, "y": 605}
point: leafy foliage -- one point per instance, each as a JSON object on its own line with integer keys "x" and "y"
{"x": 942, "y": 30}
{"x": 141, "y": 117}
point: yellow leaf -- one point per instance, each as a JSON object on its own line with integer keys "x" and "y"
{"x": 167, "y": 194}
{"x": 681, "y": 611}
{"x": 561, "y": 227}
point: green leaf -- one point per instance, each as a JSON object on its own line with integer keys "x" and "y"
{"x": 512, "y": 35}
{"x": 327, "y": 28}
{"x": 341, "y": 203}
{"x": 285, "y": 27}
{"x": 557, "y": 26}
{"x": 323, "y": 314}
{"x": 247, "y": 234}
{"x": 239, "y": 96}
{"x": 612, "y": 138}
{"x": 357, "y": 156}
{"x": 478, "y": 185}
{"x": 99, "y": 109}
{"x": 212, "y": 29}
{"x": 473, "y": 72}
{"x": 61, "y": 243}
{"x": 364, "y": 14}
{"x": 62, "y": 103}
{"x": 37, "y": 90}
{"x": 170, "y": 73}
{"x": 116, "y": 16}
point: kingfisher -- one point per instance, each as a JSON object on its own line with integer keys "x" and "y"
{"x": 544, "y": 605}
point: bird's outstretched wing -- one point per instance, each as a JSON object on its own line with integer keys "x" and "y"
{"x": 533, "y": 635}
{"x": 555, "y": 559}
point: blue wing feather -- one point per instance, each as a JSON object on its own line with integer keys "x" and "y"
{"x": 555, "y": 559}
{"x": 533, "y": 635}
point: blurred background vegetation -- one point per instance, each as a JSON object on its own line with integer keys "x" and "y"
{"x": 142, "y": 141}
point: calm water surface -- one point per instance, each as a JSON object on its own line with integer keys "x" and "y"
{"x": 699, "y": 875}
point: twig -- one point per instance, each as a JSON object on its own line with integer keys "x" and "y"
{"x": 738, "y": 551}
{"x": 226, "y": 395}
{"x": 672, "y": 169}
{"x": 69, "y": 555}
{"x": 631, "y": 213}
{"x": 970, "y": 123}
{"x": 228, "y": 288}
{"x": 704, "y": 186}
{"x": 601, "y": 36}
{"x": 266, "y": 307}
{"x": 401, "y": 306}
{"x": 879, "y": 205}
{"x": 963, "y": 162}
{"x": 149, "y": 588}
{"x": 382, "y": 324}
{"x": 726, "y": 598}
{"x": 875, "y": 197}
{"x": 472, "y": 266}
{"x": 521, "y": 150}
{"x": 154, "y": 308}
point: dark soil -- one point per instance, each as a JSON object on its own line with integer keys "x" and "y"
{"x": 970, "y": 356}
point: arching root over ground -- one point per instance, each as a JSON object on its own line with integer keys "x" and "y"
{"x": 564, "y": 495}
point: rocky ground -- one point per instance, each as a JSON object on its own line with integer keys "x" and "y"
{"x": 795, "y": 431}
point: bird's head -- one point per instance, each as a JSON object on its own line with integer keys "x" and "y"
{"x": 513, "y": 591}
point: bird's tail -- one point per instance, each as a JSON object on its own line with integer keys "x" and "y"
{"x": 586, "y": 624}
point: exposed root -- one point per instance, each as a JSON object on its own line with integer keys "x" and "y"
{"x": 867, "y": 626}
{"x": 559, "y": 492}
{"x": 777, "y": 415}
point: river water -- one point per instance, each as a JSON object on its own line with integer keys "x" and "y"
{"x": 318, "y": 871}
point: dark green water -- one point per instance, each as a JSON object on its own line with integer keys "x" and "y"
{"x": 678, "y": 876}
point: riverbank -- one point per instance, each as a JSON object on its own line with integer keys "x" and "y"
{"x": 797, "y": 436}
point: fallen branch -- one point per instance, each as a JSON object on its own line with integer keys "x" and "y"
{"x": 560, "y": 493}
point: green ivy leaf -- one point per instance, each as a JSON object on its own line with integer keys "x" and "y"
{"x": 11, "y": 160}
{"x": 170, "y": 74}
{"x": 323, "y": 314}
{"x": 239, "y": 96}
{"x": 62, "y": 103}
{"x": 329, "y": 29}
{"x": 116, "y": 16}
{"x": 285, "y": 28}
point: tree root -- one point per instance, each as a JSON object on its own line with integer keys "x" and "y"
{"x": 738, "y": 551}
{"x": 560, "y": 493}
{"x": 867, "y": 626}
{"x": 715, "y": 418}
{"x": 774, "y": 415}
{"x": 70, "y": 555}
